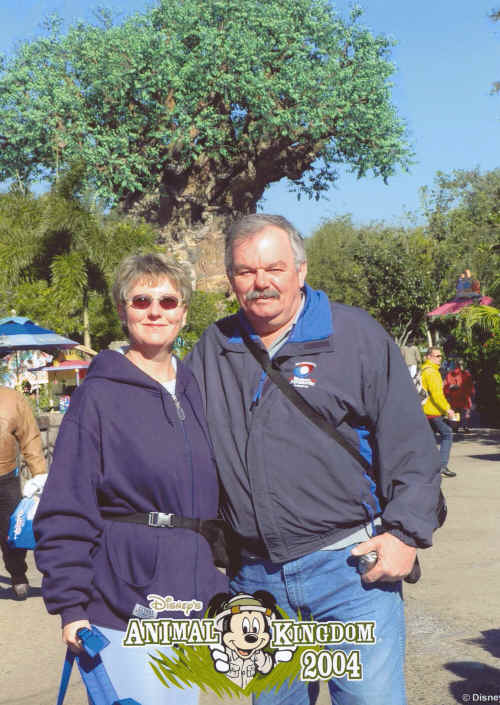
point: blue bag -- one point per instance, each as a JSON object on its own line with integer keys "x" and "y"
{"x": 21, "y": 524}
{"x": 92, "y": 670}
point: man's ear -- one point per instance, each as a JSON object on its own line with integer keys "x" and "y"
{"x": 302, "y": 273}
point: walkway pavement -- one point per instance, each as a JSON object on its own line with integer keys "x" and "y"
{"x": 453, "y": 613}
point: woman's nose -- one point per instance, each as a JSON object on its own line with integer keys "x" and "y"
{"x": 155, "y": 308}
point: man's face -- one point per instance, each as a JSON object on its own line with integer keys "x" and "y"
{"x": 436, "y": 356}
{"x": 265, "y": 279}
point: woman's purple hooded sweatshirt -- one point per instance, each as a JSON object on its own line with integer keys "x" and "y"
{"x": 123, "y": 448}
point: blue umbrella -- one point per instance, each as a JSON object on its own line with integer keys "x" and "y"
{"x": 18, "y": 333}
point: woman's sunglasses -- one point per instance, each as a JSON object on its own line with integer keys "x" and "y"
{"x": 144, "y": 301}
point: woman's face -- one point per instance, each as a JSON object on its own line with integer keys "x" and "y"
{"x": 153, "y": 326}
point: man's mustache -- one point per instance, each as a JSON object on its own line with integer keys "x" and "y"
{"x": 263, "y": 294}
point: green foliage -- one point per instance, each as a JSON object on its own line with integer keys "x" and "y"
{"x": 204, "y": 309}
{"x": 478, "y": 332}
{"x": 398, "y": 275}
{"x": 205, "y": 101}
{"x": 486, "y": 318}
{"x": 463, "y": 212}
{"x": 478, "y": 343}
{"x": 386, "y": 271}
{"x": 58, "y": 269}
{"x": 43, "y": 401}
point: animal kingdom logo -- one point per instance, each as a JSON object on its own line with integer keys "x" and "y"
{"x": 245, "y": 625}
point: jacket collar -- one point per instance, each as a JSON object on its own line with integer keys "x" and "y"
{"x": 429, "y": 363}
{"x": 312, "y": 331}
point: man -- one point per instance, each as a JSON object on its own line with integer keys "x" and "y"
{"x": 304, "y": 509}
{"x": 412, "y": 357}
{"x": 436, "y": 406}
{"x": 18, "y": 428}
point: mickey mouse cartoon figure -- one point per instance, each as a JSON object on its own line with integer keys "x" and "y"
{"x": 244, "y": 621}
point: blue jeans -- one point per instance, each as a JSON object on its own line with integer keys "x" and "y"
{"x": 441, "y": 428}
{"x": 326, "y": 586}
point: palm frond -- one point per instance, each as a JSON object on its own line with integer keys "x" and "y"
{"x": 487, "y": 318}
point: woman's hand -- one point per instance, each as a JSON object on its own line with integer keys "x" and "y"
{"x": 70, "y": 637}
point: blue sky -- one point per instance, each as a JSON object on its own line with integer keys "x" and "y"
{"x": 446, "y": 59}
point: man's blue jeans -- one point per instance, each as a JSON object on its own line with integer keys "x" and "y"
{"x": 326, "y": 586}
{"x": 439, "y": 426}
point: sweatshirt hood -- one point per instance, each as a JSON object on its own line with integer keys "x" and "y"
{"x": 111, "y": 365}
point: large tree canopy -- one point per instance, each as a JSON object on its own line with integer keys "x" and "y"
{"x": 203, "y": 103}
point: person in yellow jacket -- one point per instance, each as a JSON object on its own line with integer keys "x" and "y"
{"x": 436, "y": 406}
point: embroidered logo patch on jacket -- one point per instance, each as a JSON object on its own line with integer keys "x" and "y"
{"x": 302, "y": 375}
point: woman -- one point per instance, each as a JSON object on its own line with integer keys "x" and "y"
{"x": 133, "y": 441}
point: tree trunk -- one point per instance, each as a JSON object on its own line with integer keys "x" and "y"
{"x": 86, "y": 325}
{"x": 202, "y": 246}
{"x": 192, "y": 208}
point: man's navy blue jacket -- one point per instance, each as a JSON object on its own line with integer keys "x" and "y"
{"x": 284, "y": 480}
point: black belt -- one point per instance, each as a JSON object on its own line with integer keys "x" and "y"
{"x": 159, "y": 520}
{"x": 219, "y": 535}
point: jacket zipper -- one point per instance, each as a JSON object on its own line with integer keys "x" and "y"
{"x": 181, "y": 415}
{"x": 180, "y": 411}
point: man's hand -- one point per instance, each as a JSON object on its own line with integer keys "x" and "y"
{"x": 450, "y": 414}
{"x": 395, "y": 559}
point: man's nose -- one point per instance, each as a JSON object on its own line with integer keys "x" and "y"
{"x": 261, "y": 279}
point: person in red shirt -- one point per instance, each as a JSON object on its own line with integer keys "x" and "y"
{"x": 459, "y": 390}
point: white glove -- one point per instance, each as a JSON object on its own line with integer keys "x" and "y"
{"x": 35, "y": 485}
{"x": 284, "y": 655}
{"x": 220, "y": 658}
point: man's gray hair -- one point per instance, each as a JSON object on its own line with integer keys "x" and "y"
{"x": 250, "y": 225}
{"x": 153, "y": 266}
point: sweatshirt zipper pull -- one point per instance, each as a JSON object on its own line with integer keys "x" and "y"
{"x": 180, "y": 410}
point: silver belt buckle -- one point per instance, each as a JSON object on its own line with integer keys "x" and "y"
{"x": 160, "y": 520}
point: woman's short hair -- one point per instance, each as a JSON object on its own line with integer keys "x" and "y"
{"x": 250, "y": 225}
{"x": 154, "y": 266}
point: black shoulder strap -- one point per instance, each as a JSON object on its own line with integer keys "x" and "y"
{"x": 298, "y": 400}
{"x": 302, "y": 404}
